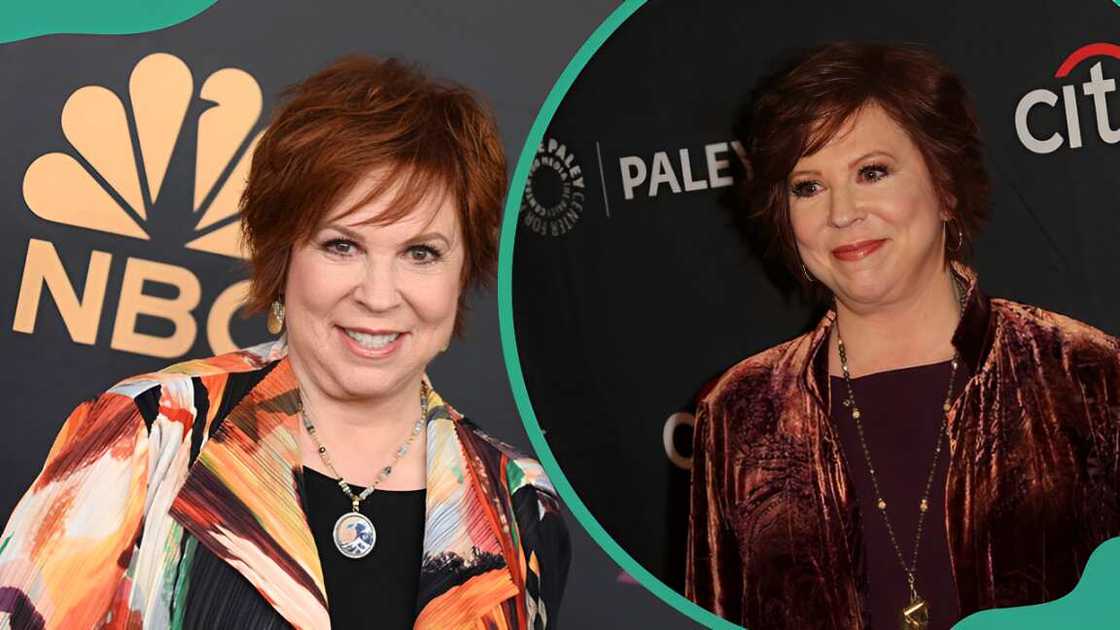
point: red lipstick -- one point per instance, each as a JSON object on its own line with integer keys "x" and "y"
{"x": 857, "y": 251}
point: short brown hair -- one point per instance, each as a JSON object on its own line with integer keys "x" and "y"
{"x": 358, "y": 115}
{"x": 798, "y": 110}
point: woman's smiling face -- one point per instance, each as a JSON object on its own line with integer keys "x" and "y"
{"x": 865, "y": 213}
{"x": 368, "y": 306}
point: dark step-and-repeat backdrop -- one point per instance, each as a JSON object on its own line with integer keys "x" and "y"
{"x": 633, "y": 288}
{"x": 123, "y": 158}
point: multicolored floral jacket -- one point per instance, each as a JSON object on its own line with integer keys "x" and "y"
{"x": 205, "y": 453}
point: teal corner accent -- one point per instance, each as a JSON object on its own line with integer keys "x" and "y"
{"x": 22, "y": 19}
{"x": 1092, "y": 605}
{"x": 509, "y": 341}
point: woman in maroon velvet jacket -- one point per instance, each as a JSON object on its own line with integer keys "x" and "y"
{"x": 818, "y": 461}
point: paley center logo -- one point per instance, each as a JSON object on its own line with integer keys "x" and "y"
{"x": 113, "y": 189}
{"x": 1053, "y": 133}
{"x": 661, "y": 172}
{"x": 554, "y": 190}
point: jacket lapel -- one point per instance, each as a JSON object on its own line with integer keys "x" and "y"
{"x": 241, "y": 501}
{"x": 974, "y": 333}
{"x": 466, "y": 572}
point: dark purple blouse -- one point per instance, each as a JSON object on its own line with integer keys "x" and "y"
{"x": 901, "y": 412}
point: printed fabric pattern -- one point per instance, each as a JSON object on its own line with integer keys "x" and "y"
{"x": 205, "y": 453}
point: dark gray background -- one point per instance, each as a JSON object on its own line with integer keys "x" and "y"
{"x": 510, "y": 52}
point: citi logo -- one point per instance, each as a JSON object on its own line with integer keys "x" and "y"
{"x": 105, "y": 185}
{"x": 1042, "y": 132}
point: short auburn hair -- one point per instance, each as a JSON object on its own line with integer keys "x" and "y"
{"x": 361, "y": 115}
{"x": 798, "y": 110}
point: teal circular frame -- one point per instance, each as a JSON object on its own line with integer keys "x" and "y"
{"x": 1092, "y": 604}
{"x": 509, "y": 341}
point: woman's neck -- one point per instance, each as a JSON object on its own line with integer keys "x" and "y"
{"x": 915, "y": 330}
{"x": 363, "y": 416}
{"x": 362, "y": 435}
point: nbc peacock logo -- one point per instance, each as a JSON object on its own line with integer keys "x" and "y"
{"x": 115, "y": 180}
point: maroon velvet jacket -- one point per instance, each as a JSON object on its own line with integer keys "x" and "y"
{"x": 1033, "y": 482}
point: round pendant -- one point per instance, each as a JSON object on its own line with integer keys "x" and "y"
{"x": 354, "y": 535}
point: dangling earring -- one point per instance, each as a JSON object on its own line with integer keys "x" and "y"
{"x": 276, "y": 317}
{"x": 805, "y": 272}
{"x": 960, "y": 238}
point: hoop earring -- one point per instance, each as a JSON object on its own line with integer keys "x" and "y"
{"x": 805, "y": 272}
{"x": 275, "y": 320}
{"x": 960, "y": 238}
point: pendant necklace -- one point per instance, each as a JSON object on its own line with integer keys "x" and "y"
{"x": 915, "y": 614}
{"x": 354, "y": 533}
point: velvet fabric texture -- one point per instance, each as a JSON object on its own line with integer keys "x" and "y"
{"x": 1033, "y": 484}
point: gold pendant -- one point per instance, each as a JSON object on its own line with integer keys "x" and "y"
{"x": 915, "y": 616}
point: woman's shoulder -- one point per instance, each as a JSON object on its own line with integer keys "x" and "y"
{"x": 521, "y": 470}
{"x": 1080, "y": 341}
{"x": 770, "y": 370}
{"x": 173, "y": 393}
{"x": 252, "y": 359}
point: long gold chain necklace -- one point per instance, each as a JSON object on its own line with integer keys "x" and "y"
{"x": 354, "y": 533}
{"x": 915, "y": 614}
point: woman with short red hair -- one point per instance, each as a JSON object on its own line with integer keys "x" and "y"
{"x": 318, "y": 480}
{"x": 926, "y": 451}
